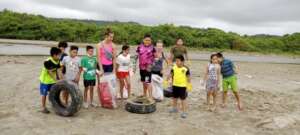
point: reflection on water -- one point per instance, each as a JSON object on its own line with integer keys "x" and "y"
{"x": 18, "y": 49}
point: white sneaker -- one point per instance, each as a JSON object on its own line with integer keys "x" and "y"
{"x": 86, "y": 105}
{"x": 94, "y": 105}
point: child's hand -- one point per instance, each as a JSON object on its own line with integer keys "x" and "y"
{"x": 77, "y": 78}
{"x": 99, "y": 73}
{"x": 170, "y": 82}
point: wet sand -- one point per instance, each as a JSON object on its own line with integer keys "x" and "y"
{"x": 270, "y": 96}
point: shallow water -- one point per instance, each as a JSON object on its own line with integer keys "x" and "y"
{"x": 19, "y": 49}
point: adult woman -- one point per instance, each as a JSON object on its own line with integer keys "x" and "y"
{"x": 178, "y": 50}
{"x": 106, "y": 53}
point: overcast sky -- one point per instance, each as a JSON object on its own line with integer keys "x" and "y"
{"x": 241, "y": 16}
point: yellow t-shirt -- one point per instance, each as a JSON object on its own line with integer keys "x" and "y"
{"x": 52, "y": 66}
{"x": 180, "y": 76}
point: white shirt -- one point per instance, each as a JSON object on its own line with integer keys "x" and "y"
{"x": 72, "y": 67}
{"x": 123, "y": 62}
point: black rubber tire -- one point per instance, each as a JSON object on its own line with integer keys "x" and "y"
{"x": 74, "y": 93}
{"x": 134, "y": 106}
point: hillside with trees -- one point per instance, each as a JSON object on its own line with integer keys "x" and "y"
{"x": 15, "y": 25}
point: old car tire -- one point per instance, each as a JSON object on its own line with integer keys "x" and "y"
{"x": 74, "y": 93}
{"x": 140, "y": 105}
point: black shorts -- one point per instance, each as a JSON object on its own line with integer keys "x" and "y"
{"x": 145, "y": 76}
{"x": 108, "y": 68}
{"x": 179, "y": 92}
{"x": 87, "y": 83}
{"x": 157, "y": 73}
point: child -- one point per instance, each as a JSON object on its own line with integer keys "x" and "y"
{"x": 159, "y": 58}
{"x": 157, "y": 70}
{"x": 89, "y": 68}
{"x": 212, "y": 77}
{"x": 180, "y": 78}
{"x": 146, "y": 53}
{"x": 228, "y": 70}
{"x": 72, "y": 64}
{"x": 123, "y": 65}
{"x": 62, "y": 45}
{"x": 48, "y": 75}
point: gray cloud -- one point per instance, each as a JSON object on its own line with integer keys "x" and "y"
{"x": 242, "y": 16}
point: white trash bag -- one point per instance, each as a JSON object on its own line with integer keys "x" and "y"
{"x": 157, "y": 87}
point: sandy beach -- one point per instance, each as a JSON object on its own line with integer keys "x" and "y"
{"x": 270, "y": 96}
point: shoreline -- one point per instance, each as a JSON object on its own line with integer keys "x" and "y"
{"x": 45, "y": 43}
{"x": 192, "y": 60}
{"x": 10, "y": 47}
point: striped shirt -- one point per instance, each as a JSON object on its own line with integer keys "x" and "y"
{"x": 227, "y": 68}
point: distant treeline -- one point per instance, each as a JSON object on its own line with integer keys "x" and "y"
{"x": 36, "y": 27}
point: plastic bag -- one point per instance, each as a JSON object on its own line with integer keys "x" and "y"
{"x": 168, "y": 92}
{"x": 157, "y": 85}
{"x": 165, "y": 84}
{"x": 189, "y": 87}
{"x": 104, "y": 95}
{"x": 107, "y": 89}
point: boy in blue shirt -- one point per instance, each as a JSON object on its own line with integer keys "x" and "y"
{"x": 228, "y": 71}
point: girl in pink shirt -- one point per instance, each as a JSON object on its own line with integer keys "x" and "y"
{"x": 146, "y": 53}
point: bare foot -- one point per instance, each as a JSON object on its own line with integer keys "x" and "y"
{"x": 209, "y": 109}
{"x": 45, "y": 111}
{"x": 214, "y": 108}
{"x": 240, "y": 107}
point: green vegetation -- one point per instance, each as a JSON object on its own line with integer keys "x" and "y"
{"x": 36, "y": 27}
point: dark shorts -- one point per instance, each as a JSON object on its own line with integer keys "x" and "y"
{"x": 179, "y": 92}
{"x": 45, "y": 88}
{"x": 157, "y": 73}
{"x": 108, "y": 68}
{"x": 145, "y": 76}
{"x": 87, "y": 83}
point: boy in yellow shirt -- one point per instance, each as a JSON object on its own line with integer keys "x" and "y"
{"x": 49, "y": 76}
{"x": 180, "y": 78}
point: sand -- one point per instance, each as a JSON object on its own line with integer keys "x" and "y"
{"x": 270, "y": 96}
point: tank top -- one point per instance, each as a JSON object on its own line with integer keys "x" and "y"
{"x": 212, "y": 71}
{"x": 106, "y": 54}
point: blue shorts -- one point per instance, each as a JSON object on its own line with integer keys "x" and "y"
{"x": 44, "y": 89}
